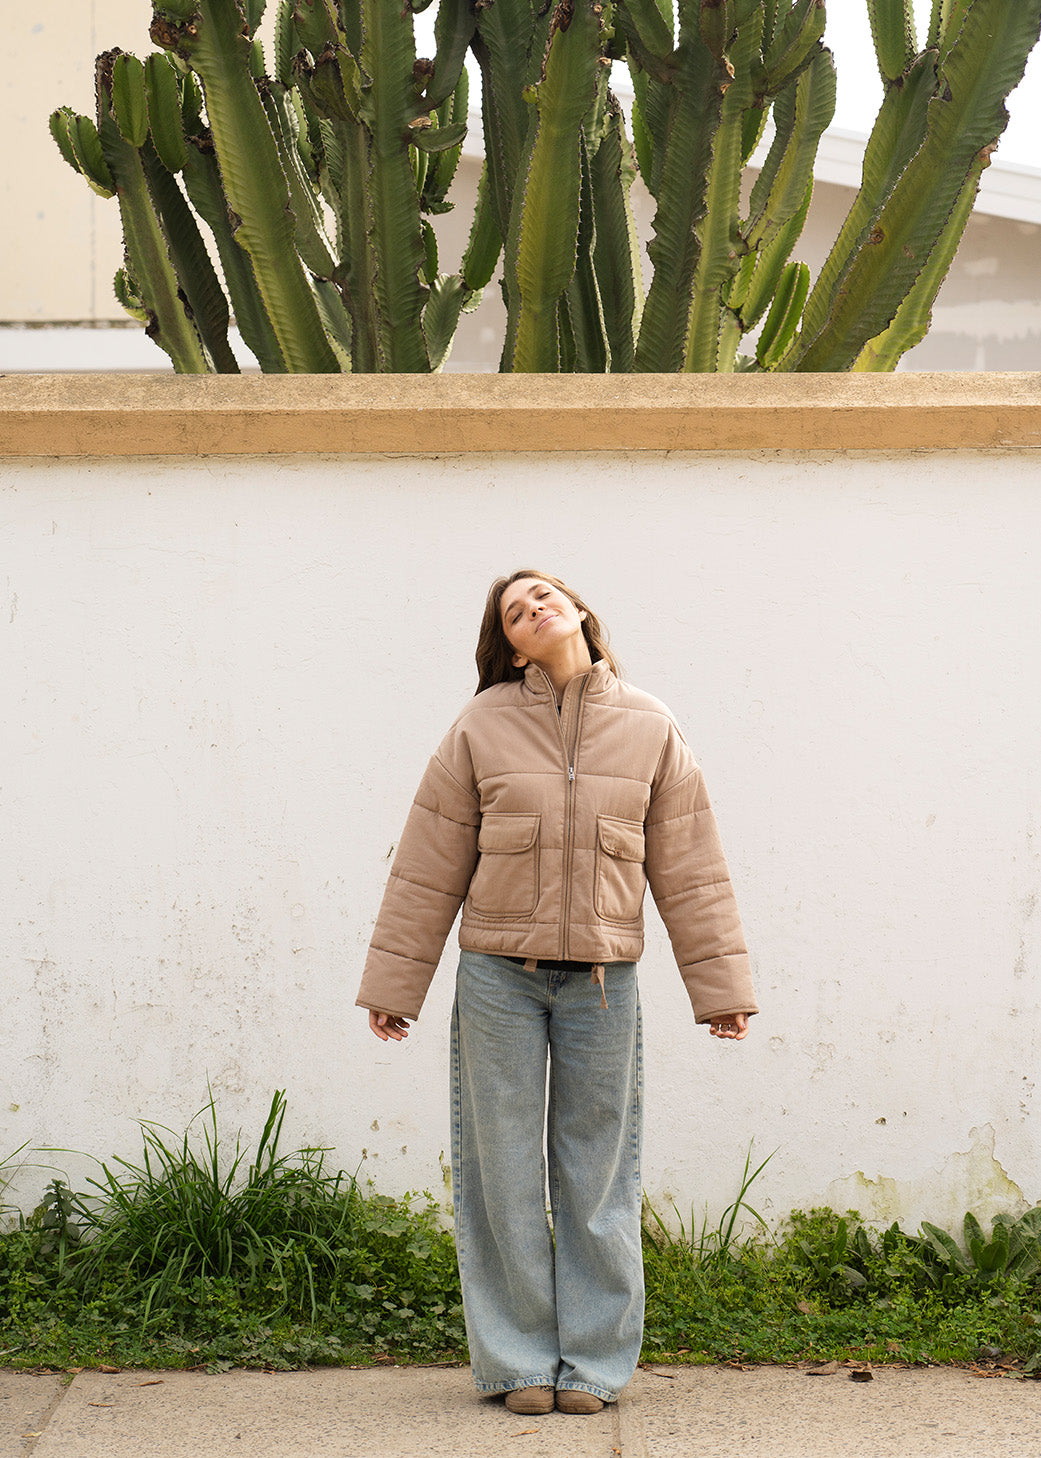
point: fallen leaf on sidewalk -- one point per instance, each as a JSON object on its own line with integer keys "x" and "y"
{"x": 524, "y": 1433}
{"x": 828, "y": 1369}
{"x": 154, "y": 1382}
{"x": 861, "y": 1374}
{"x": 101, "y": 1404}
{"x": 110, "y": 1369}
{"x": 32, "y": 1435}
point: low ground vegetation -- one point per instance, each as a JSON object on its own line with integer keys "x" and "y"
{"x": 197, "y": 1257}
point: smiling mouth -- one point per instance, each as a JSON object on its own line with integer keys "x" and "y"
{"x": 544, "y": 621}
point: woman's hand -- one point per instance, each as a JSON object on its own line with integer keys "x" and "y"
{"x": 387, "y": 1025}
{"x": 735, "y": 1026}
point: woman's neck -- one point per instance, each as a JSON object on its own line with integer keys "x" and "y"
{"x": 567, "y": 666}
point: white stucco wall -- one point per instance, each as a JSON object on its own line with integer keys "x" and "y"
{"x": 222, "y": 680}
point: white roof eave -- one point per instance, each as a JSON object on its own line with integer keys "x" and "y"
{"x": 1007, "y": 190}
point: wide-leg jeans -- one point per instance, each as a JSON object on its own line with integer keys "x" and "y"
{"x": 556, "y": 1305}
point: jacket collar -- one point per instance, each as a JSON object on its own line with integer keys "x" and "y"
{"x": 536, "y": 681}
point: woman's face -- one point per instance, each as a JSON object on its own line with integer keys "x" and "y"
{"x": 538, "y": 620}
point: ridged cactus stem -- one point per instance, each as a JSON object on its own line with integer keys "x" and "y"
{"x": 215, "y": 45}
{"x": 148, "y": 254}
{"x": 683, "y": 159}
{"x": 542, "y": 245}
{"x": 911, "y": 320}
{"x": 203, "y": 185}
{"x": 964, "y": 121}
{"x": 388, "y": 108}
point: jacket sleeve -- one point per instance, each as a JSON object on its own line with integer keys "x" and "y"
{"x": 688, "y": 876}
{"x": 430, "y": 876}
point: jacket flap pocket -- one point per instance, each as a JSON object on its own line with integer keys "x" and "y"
{"x": 507, "y": 833}
{"x": 622, "y": 839}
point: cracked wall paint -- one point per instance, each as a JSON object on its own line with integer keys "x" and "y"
{"x": 971, "y": 1179}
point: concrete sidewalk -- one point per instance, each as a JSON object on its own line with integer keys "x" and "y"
{"x": 404, "y": 1412}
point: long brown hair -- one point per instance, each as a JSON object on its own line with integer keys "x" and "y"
{"x": 494, "y": 653}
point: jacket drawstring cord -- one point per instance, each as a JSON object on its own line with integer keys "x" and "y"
{"x": 596, "y": 975}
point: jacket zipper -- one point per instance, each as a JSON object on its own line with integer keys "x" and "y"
{"x": 570, "y": 757}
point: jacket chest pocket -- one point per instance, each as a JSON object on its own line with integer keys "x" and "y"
{"x": 619, "y": 878}
{"x": 506, "y": 881}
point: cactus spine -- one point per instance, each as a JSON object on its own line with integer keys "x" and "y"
{"x": 316, "y": 183}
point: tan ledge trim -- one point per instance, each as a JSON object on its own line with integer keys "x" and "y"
{"x": 179, "y": 415}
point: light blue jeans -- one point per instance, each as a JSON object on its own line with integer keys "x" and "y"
{"x": 561, "y": 1306}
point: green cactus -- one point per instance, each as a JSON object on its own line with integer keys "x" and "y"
{"x": 316, "y": 182}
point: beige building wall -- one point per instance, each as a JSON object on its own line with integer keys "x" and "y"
{"x": 61, "y": 245}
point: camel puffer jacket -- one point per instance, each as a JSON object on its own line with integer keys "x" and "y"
{"x": 548, "y": 828}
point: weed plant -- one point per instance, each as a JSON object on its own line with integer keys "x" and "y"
{"x": 827, "y": 1288}
{"x": 194, "y": 1256}
{"x": 200, "y": 1255}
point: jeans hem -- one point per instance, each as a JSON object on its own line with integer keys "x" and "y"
{"x": 514, "y": 1386}
{"x": 604, "y": 1393}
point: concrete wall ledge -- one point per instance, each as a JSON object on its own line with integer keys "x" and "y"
{"x": 173, "y": 415}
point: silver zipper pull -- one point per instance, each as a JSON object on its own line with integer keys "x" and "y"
{"x": 571, "y": 772}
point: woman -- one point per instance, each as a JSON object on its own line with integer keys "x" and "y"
{"x": 556, "y": 797}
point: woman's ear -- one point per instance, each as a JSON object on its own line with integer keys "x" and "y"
{"x": 519, "y": 660}
{"x": 582, "y": 616}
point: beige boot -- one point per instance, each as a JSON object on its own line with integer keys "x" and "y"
{"x": 530, "y": 1399}
{"x": 574, "y": 1400}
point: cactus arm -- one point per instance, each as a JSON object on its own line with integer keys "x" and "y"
{"x": 683, "y": 126}
{"x": 191, "y": 262}
{"x": 648, "y": 33}
{"x": 357, "y": 262}
{"x": 616, "y": 252}
{"x": 448, "y": 295}
{"x": 388, "y": 57}
{"x": 442, "y": 164}
{"x": 484, "y": 244}
{"x": 721, "y": 244}
{"x": 793, "y": 45}
{"x": 506, "y": 32}
{"x": 801, "y": 114}
{"x": 311, "y": 241}
{"x": 203, "y": 185}
{"x": 947, "y": 18}
{"x": 215, "y": 46}
{"x": 129, "y": 105}
{"x": 913, "y": 317}
{"x": 336, "y": 320}
{"x": 964, "y": 119}
{"x": 78, "y": 142}
{"x": 254, "y": 14}
{"x": 893, "y": 33}
{"x": 148, "y": 256}
{"x": 317, "y": 24}
{"x": 783, "y": 318}
{"x": 585, "y": 308}
{"x": 896, "y": 136}
{"x": 331, "y": 89}
{"x": 757, "y": 283}
{"x": 542, "y": 245}
{"x": 453, "y": 32}
{"x": 643, "y": 143}
{"x": 165, "y": 120}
